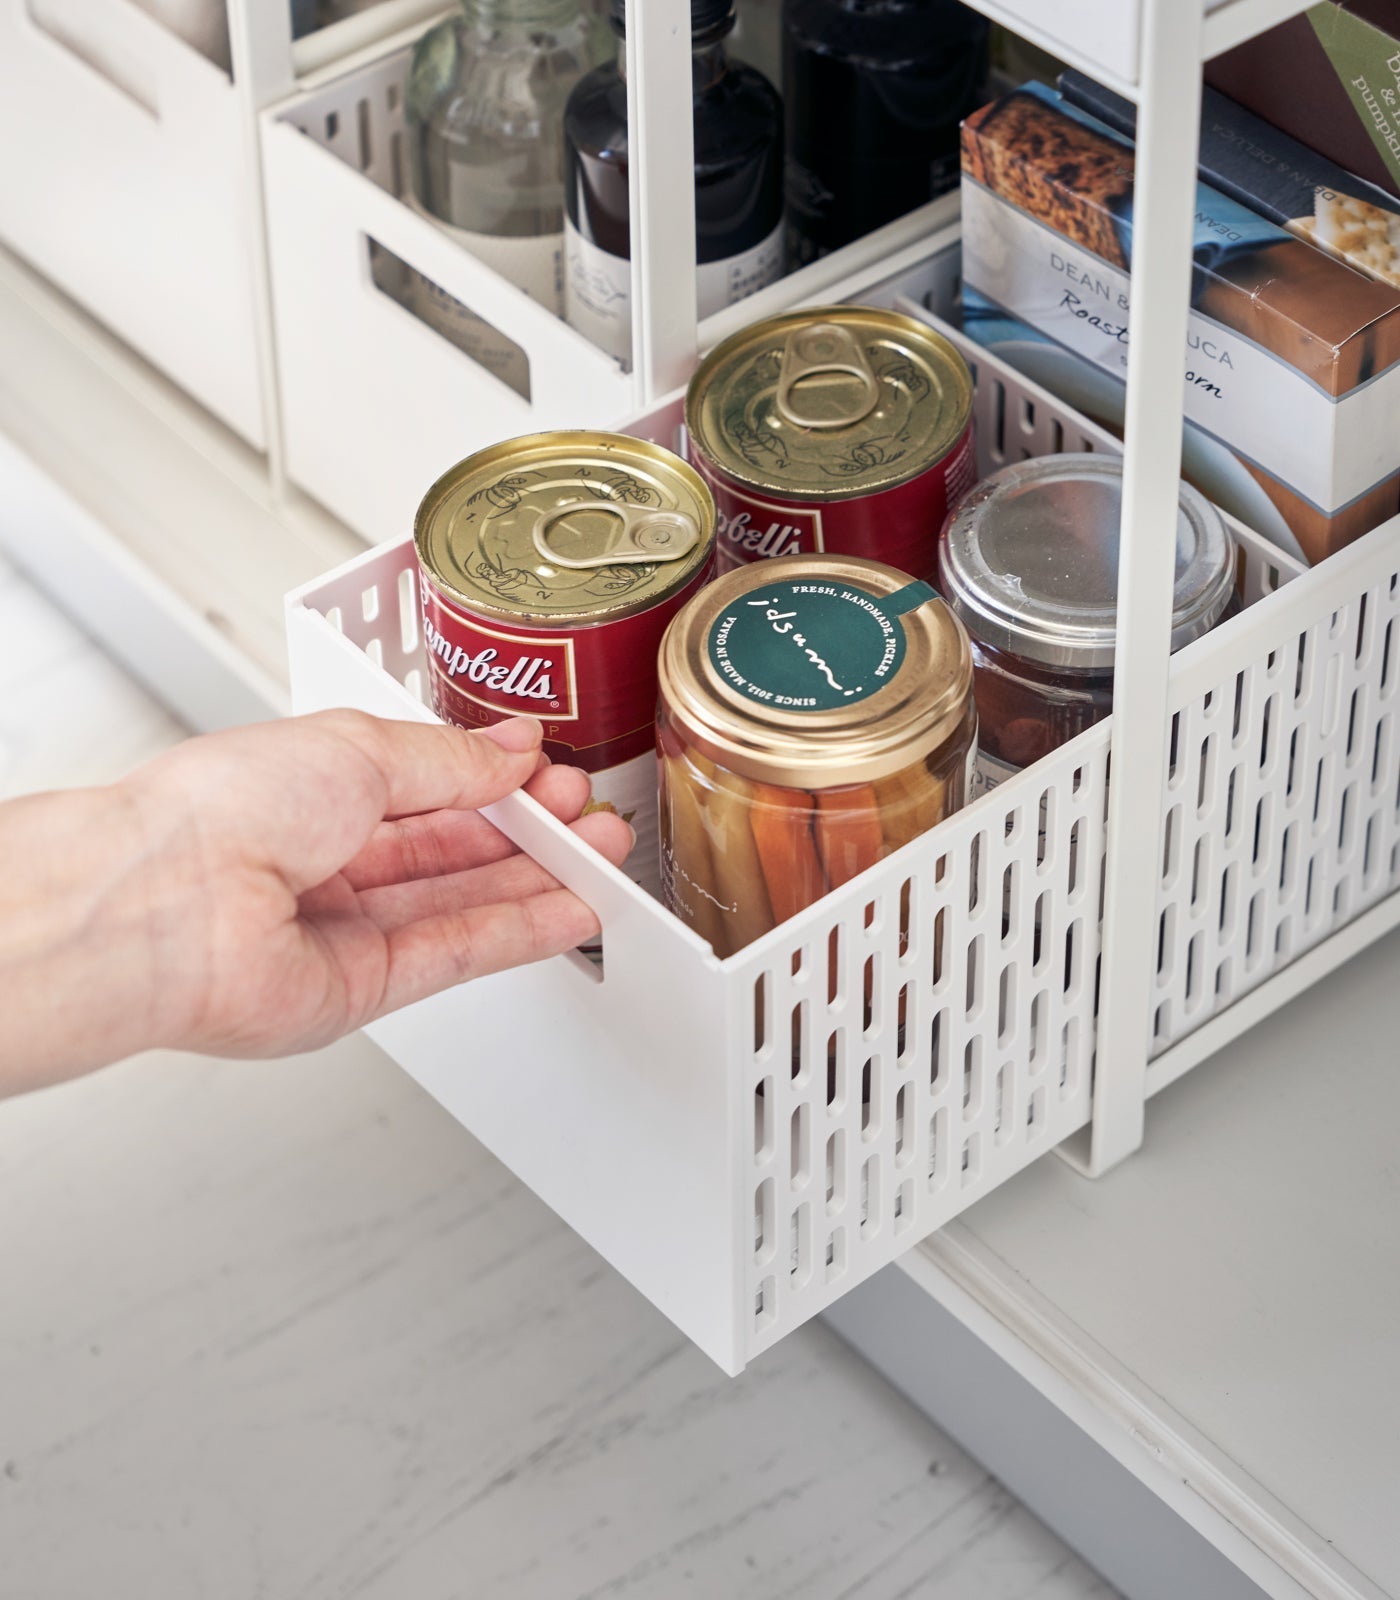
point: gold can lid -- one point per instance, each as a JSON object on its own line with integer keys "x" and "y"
{"x": 565, "y": 527}
{"x": 830, "y": 403}
{"x": 815, "y": 671}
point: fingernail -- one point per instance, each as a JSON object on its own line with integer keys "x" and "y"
{"x": 516, "y": 734}
{"x": 633, "y": 832}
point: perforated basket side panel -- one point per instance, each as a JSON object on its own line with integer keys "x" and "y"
{"x": 359, "y": 117}
{"x": 1282, "y": 813}
{"x": 926, "y": 1036}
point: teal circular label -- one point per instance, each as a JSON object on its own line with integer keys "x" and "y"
{"x": 812, "y": 645}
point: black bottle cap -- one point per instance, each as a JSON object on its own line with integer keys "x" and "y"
{"x": 709, "y": 19}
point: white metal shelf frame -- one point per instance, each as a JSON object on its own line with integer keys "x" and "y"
{"x": 1173, "y": 41}
{"x": 1165, "y": 195}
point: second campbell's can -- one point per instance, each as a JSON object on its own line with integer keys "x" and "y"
{"x": 549, "y": 569}
{"x": 845, "y": 430}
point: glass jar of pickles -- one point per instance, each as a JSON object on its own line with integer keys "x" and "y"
{"x": 816, "y": 714}
{"x": 1029, "y": 562}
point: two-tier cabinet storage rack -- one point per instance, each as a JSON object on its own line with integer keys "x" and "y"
{"x": 1061, "y": 950}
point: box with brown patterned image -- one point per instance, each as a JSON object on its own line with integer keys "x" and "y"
{"x": 1292, "y": 364}
{"x": 1264, "y": 169}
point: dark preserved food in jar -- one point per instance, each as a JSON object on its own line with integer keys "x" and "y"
{"x": 1029, "y": 562}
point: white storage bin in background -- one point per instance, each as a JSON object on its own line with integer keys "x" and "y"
{"x": 377, "y": 404}
{"x": 1104, "y": 37}
{"x": 127, "y": 184}
{"x": 747, "y": 1140}
{"x": 359, "y": 28}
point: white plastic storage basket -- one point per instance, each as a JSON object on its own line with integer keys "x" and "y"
{"x": 376, "y": 403}
{"x": 127, "y": 183}
{"x": 747, "y": 1140}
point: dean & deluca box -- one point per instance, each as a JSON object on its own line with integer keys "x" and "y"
{"x": 1292, "y": 362}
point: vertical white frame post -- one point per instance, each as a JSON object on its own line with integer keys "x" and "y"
{"x": 260, "y": 49}
{"x": 661, "y": 195}
{"x": 1168, "y": 136}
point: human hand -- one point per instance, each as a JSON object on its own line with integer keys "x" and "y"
{"x": 263, "y": 891}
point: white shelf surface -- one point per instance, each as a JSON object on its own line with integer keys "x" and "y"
{"x": 1221, "y": 1312}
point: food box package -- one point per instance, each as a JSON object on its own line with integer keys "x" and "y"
{"x": 1205, "y": 463}
{"x": 1263, "y": 168}
{"x": 1331, "y": 78}
{"x": 1292, "y": 359}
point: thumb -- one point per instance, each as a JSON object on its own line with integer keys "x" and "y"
{"x": 396, "y": 769}
{"x": 516, "y": 734}
{"x": 436, "y": 767}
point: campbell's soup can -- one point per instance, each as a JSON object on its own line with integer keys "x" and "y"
{"x": 549, "y": 569}
{"x": 845, "y": 430}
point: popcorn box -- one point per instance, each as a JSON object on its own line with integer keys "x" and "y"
{"x": 1292, "y": 362}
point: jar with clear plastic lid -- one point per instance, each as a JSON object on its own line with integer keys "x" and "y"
{"x": 1029, "y": 563}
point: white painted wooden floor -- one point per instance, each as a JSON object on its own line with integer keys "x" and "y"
{"x": 284, "y": 1332}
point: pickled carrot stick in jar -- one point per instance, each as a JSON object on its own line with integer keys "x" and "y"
{"x": 849, "y": 836}
{"x": 687, "y": 867}
{"x": 910, "y": 802}
{"x": 738, "y": 873}
{"x": 782, "y": 830}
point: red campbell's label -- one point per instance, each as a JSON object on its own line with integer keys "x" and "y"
{"x": 502, "y": 671}
{"x": 593, "y": 686}
{"x": 898, "y": 525}
{"x": 754, "y": 538}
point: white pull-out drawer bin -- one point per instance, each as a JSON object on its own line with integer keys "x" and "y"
{"x": 748, "y": 1139}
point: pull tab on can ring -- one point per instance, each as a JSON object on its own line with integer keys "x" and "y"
{"x": 825, "y": 347}
{"x": 640, "y": 533}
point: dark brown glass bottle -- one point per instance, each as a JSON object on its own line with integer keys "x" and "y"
{"x": 738, "y": 184}
{"x": 874, "y": 90}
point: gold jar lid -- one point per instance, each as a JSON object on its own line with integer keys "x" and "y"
{"x": 816, "y": 671}
{"x": 830, "y": 403}
{"x": 563, "y": 528}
